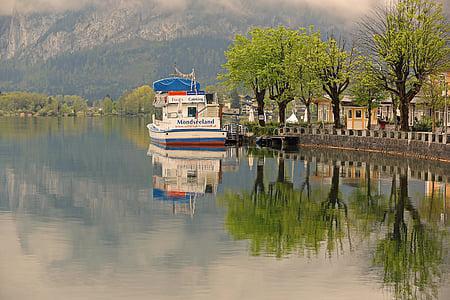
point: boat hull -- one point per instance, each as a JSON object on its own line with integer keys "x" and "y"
{"x": 189, "y": 137}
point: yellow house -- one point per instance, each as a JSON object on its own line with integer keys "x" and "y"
{"x": 357, "y": 117}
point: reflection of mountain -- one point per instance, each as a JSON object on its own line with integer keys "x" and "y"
{"x": 180, "y": 176}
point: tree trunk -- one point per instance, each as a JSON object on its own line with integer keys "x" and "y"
{"x": 404, "y": 114}
{"x": 282, "y": 112}
{"x": 369, "y": 119}
{"x": 336, "y": 111}
{"x": 260, "y": 100}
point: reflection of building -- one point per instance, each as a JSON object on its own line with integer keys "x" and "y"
{"x": 181, "y": 176}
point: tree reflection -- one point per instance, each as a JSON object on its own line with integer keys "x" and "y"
{"x": 279, "y": 221}
{"x": 410, "y": 242}
{"x": 412, "y": 252}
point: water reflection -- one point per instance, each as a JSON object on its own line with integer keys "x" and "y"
{"x": 410, "y": 244}
{"x": 281, "y": 221}
{"x": 412, "y": 251}
{"x": 181, "y": 176}
{"x": 86, "y": 214}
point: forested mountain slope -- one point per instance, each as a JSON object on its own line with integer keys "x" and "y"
{"x": 99, "y": 50}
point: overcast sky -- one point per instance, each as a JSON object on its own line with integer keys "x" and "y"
{"x": 339, "y": 6}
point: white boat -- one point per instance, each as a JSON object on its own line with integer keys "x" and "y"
{"x": 190, "y": 118}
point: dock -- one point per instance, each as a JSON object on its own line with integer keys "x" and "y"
{"x": 284, "y": 139}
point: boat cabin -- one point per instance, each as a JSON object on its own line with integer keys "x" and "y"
{"x": 186, "y": 105}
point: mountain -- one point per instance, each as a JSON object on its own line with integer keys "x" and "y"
{"x": 98, "y": 50}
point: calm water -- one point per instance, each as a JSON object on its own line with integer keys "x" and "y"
{"x": 88, "y": 210}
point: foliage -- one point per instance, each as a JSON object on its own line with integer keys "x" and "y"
{"x": 433, "y": 95}
{"x": 303, "y": 70}
{"x": 281, "y": 43}
{"x": 367, "y": 88}
{"x": 107, "y": 106}
{"x": 113, "y": 68}
{"x": 246, "y": 65}
{"x": 336, "y": 68}
{"x": 268, "y": 129}
{"x": 425, "y": 125}
{"x": 41, "y": 105}
{"x": 408, "y": 41}
{"x": 137, "y": 101}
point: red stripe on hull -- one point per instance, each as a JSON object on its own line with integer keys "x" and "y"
{"x": 203, "y": 144}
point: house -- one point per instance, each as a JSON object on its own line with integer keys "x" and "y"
{"x": 322, "y": 110}
{"x": 357, "y": 116}
{"x": 386, "y": 110}
{"x": 418, "y": 108}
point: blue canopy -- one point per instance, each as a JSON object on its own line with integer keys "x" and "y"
{"x": 175, "y": 84}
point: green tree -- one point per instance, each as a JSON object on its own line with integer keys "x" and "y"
{"x": 433, "y": 94}
{"x": 107, "y": 106}
{"x": 137, "y": 101}
{"x": 79, "y": 104}
{"x": 247, "y": 62}
{"x": 367, "y": 88}
{"x": 336, "y": 67}
{"x": 408, "y": 41}
{"x": 281, "y": 43}
{"x": 302, "y": 68}
{"x": 65, "y": 109}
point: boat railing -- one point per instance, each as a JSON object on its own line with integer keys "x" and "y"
{"x": 210, "y": 110}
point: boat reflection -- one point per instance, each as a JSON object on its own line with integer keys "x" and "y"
{"x": 181, "y": 176}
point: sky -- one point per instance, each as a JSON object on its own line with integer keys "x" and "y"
{"x": 337, "y": 6}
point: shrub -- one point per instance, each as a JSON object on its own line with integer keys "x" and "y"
{"x": 425, "y": 124}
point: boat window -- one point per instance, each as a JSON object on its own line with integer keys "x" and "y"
{"x": 350, "y": 115}
{"x": 192, "y": 112}
{"x": 358, "y": 114}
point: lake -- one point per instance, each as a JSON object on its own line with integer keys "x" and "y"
{"x": 90, "y": 210}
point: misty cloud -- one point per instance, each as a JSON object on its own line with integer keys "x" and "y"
{"x": 350, "y": 7}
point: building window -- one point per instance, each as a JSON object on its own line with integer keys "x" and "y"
{"x": 192, "y": 112}
{"x": 358, "y": 114}
{"x": 350, "y": 114}
{"x": 325, "y": 114}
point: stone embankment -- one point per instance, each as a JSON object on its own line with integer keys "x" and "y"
{"x": 425, "y": 145}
